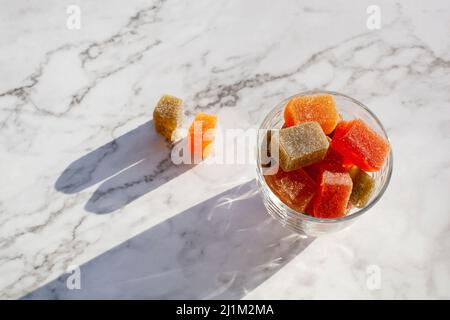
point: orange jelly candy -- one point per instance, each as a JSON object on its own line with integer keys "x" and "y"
{"x": 201, "y": 134}
{"x": 294, "y": 188}
{"x": 360, "y": 145}
{"x": 331, "y": 199}
{"x": 319, "y": 108}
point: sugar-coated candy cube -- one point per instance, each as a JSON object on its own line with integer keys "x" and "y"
{"x": 201, "y": 134}
{"x": 360, "y": 145}
{"x": 301, "y": 145}
{"x": 333, "y": 194}
{"x": 319, "y": 108}
{"x": 363, "y": 186}
{"x": 340, "y": 130}
{"x": 168, "y": 116}
{"x": 294, "y": 188}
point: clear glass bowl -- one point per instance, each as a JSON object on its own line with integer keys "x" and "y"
{"x": 299, "y": 222}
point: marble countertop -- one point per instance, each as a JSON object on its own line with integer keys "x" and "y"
{"x": 88, "y": 191}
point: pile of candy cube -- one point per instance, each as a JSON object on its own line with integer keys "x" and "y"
{"x": 324, "y": 161}
{"x": 168, "y": 117}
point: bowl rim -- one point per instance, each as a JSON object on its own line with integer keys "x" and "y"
{"x": 390, "y": 161}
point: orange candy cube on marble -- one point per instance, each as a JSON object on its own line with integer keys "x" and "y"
{"x": 201, "y": 134}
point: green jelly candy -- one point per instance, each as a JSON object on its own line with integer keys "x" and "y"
{"x": 363, "y": 186}
{"x": 301, "y": 145}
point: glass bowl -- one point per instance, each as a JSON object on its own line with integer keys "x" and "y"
{"x": 302, "y": 223}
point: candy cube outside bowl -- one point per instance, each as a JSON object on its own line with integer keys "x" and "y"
{"x": 300, "y": 222}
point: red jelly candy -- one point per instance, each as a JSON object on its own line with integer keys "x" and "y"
{"x": 294, "y": 188}
{"x": 360, "y": 145}
{"x": 347, "y": 163}
{"x": 341, "y": 129}
{"x": 333, "y": 161}
{"x": 332, "y": 195}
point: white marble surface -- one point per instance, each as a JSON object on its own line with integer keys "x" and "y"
{"x": 85, "y": 181}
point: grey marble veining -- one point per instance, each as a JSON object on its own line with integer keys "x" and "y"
{"x": 87, "y": 182}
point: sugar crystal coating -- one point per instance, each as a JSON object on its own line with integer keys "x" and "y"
{"x": 201, "y": 134}
{"x": 319, "y": 108}
{"x": 360, "y": 145}
{"x": 301, "y": 145}
{"x": 333, "y": 194}
{"x": 363, "y": 186}
{"x": 294, "y": 188}
{"x": 168, "y": 116}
